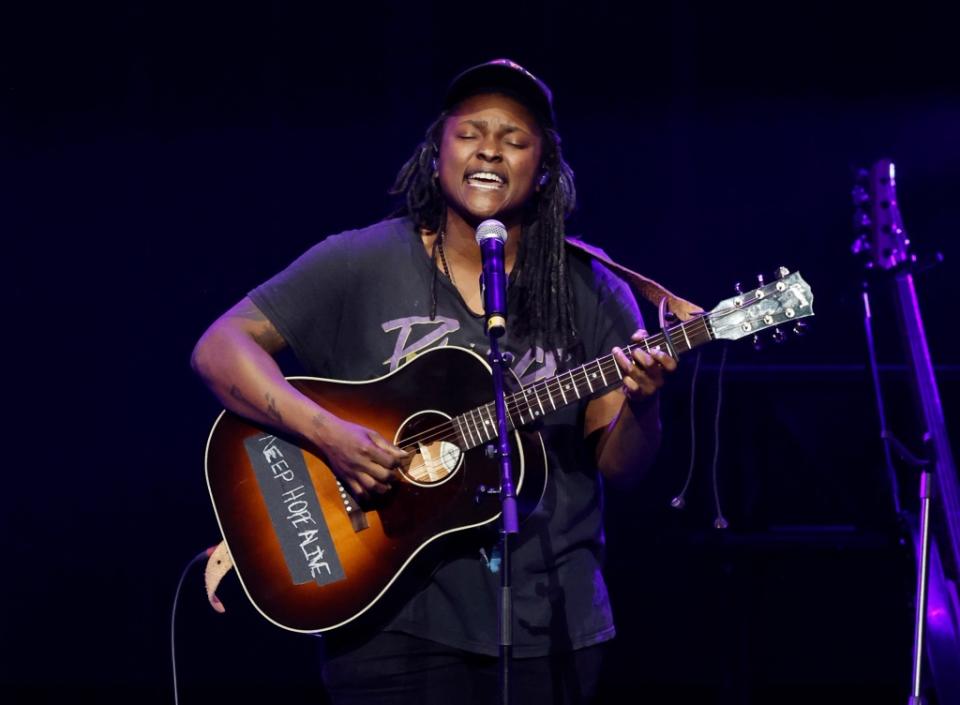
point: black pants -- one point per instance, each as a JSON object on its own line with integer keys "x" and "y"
{"x": 394, "y": 668}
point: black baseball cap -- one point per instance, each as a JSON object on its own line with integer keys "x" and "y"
{"x": 507, "y": 77}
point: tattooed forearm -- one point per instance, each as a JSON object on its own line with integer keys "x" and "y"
{"x": 272, "y": 411}
{"x": 237, "y": 394}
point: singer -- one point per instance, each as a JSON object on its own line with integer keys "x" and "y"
{"x": 362, "y": 303}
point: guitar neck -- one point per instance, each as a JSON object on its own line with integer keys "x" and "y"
{"x": 541, "y": 398}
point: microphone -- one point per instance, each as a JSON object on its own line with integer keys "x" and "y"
{"x": 491, "y": 236}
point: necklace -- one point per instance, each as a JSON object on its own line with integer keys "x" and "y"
{"x": 443, "y": 258}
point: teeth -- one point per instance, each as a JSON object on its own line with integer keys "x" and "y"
{"x": 486, "y": 176}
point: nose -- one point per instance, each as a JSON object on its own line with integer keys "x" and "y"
{"x": 489, "y": 149}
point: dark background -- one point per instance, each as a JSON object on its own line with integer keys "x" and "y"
{"x": 159, "y": 159}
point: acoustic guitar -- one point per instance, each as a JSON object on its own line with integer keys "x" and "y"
{"x": 311, "y": 557}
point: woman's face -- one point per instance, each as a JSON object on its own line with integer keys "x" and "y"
{"x": 489, "y": 160}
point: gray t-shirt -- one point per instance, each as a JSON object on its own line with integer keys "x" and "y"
{"x": 356, "y": 306}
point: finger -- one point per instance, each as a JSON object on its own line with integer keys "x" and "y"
{"x": 651, "y": 378}
{"x": 666, "y": 360}
{"x": 643, "y": 358}
{"x": 635, "y": 391}
{"x": 383, "y": 444}
{"x": 639, "y": 335}
{"x": 357, "y": 489}
{"x": 379, "y": 461}
{"x": 639, "y": 394}
{"x": 375, "y": 468}
{"x": 622, "y": 360}
{"x": 371, "y": 484}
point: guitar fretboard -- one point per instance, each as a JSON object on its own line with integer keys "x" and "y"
{"x": 539, "y": 399}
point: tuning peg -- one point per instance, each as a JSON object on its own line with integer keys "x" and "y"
{"x": 861, "y": 221}
{"x": 757, "y": 343}
{"x": 779, "y": 336}
{"x": 782, "y": 272}
{"x": 860, "y": 196}
{"x": 800, "y": 328}
{"x": 760, "y": 279}
{"x": 738, "y": 288}
{"x": 861, "y": 244}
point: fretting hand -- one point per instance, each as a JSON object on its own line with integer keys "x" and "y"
{"x": 644, "y": 373}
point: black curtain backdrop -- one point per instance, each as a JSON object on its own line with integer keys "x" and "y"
{"x": 160, "y": 159}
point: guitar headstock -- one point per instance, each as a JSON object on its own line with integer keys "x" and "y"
{"x": 876, "y": 221}
{"x": 788, "y": 298}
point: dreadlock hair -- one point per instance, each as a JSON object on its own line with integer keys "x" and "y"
{"x": 544, "y": 301}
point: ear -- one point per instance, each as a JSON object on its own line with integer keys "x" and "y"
{"x": 543, "y": 180}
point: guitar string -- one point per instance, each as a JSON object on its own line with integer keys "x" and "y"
{"x": 517, "y": 402}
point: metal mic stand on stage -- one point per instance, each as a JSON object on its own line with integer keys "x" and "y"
{"x": 509, "y": 522}
{"x": 885, "y": 243}
{"x": 492, "y": 236}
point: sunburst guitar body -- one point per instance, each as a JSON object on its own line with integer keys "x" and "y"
{"x": 312, "y": 558}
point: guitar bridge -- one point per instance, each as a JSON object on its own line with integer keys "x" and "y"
{"x": 358, "y": 519}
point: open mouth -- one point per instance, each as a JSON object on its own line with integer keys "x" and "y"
{"x": 486, "y": 180}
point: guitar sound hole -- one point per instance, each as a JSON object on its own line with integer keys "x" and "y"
{"x": 429, "y": 435}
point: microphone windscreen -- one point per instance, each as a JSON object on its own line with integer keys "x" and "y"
{"x": 491, "y": 229}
